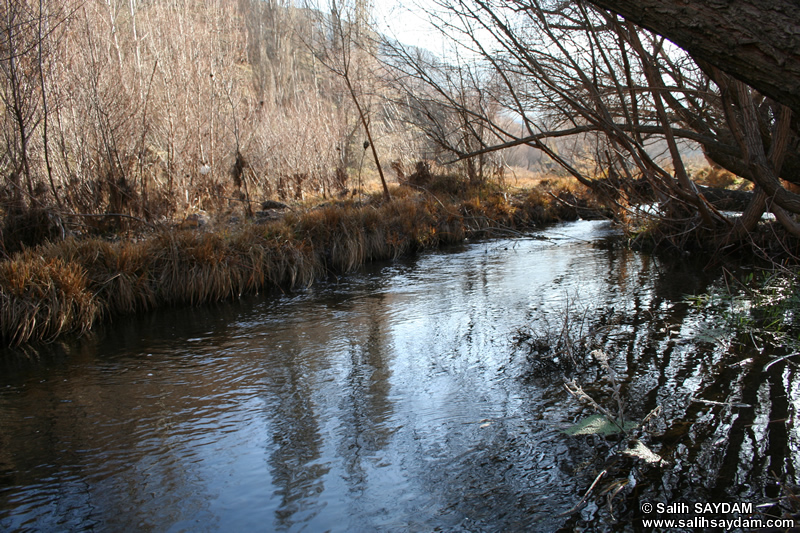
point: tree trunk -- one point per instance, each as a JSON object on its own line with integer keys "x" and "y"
{"x": 755, "y": 41}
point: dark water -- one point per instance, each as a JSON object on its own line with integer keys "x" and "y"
{"x": 397, "y": 399}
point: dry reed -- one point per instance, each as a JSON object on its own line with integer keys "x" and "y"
{"x": 68, "y": 286}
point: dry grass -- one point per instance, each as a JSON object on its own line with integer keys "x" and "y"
{"x": 525, "y": 179}
{"x": 720, "y": 178}
{"x": 41, "y": 298}
{"x": 68, "y": 286}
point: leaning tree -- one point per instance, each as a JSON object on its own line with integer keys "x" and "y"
{"x": 754, "y": 41}
{"x": 751, "y": 50}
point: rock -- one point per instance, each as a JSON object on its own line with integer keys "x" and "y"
{"x": 725, "y": 199}
{"x": 268, "y": 214}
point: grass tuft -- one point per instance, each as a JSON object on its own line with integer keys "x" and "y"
{"x": 68, "y": 286}
{"x": 41, "y": 298}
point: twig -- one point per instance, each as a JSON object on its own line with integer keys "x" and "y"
{"x": 499, "y": 229}
{"x": 724, "y": 404}
{"x": 778, "y": 360}
{"x": 580, "y": 504}
{"x": 577, "y": 392}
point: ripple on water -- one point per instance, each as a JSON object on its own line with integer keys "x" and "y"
{"x": 392, "y": 399}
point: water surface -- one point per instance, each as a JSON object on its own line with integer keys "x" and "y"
{"x": 397, "y": 399}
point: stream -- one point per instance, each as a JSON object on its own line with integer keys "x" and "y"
{"x": 413, "y": 395}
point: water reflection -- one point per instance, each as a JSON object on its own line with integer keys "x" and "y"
{"x": 390, "y": 400}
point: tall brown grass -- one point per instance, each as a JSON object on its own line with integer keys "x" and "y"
{"x": 68, "y": 286}
{"x": 43, "y": 297}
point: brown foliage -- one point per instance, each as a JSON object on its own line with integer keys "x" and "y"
{"x": 141, "y": 108}
{"x": 67, "y": 286}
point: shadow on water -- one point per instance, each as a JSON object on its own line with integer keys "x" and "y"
{"x": 399, "y": 398}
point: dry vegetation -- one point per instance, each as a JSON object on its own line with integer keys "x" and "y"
{"x": 69, "y": 285}
{"x": 152, "y": 109}
{"x": 123, "y": 118}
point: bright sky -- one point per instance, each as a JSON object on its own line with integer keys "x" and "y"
{"x": 406, "y": 21}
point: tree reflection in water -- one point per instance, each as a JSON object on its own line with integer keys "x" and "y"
{"x": 394, "y": 399}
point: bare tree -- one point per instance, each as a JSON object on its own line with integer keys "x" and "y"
{"x": 21, "y": 93}
{"x": 347, "y": 57}
{"x": 451, "y": 104}
{"x": 572, "y": 70}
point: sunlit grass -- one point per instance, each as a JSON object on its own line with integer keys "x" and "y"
{"x": 69, "y": 285}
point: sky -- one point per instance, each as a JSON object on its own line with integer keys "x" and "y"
{"x": 407, "y": 21}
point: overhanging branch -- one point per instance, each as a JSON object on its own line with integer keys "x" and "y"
{"x": 706, "y": 141}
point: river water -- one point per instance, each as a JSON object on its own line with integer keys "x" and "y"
{"x": 404, "y": 397}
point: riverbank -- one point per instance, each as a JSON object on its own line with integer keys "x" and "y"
{"x": 70, "y": 285}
